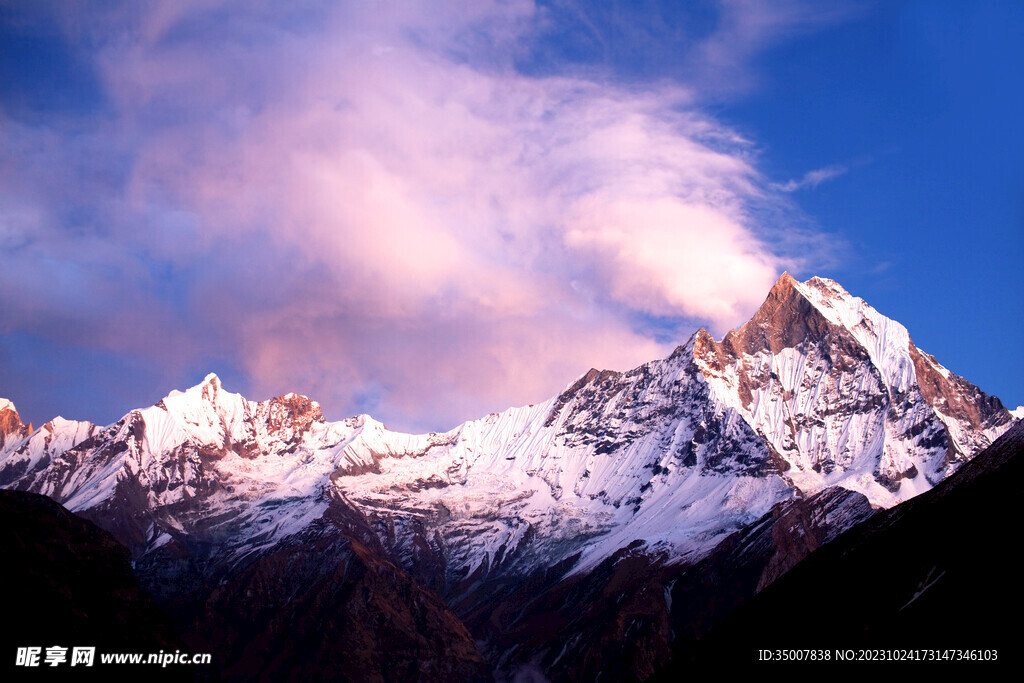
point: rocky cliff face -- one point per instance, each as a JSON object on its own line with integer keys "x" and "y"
{"x": 817, "y": 395}
{"x": 11, "y": 428}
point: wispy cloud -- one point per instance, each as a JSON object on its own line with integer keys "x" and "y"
{"x": 811, "y": 179}
{"x": 354, "y": 207}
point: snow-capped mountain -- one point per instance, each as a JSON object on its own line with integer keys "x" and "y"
{"x": 11, "y": 427}
{"x": 818, "y": 391}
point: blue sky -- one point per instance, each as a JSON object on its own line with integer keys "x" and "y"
{"x": 432, "y": 211}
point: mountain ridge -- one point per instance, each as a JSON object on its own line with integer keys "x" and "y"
{"x": 762, "y": 389}
{"x": 817, "y": 393}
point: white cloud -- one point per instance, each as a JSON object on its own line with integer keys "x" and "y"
{"x": 376, "y": 215}
{"x": 811, "y": 179}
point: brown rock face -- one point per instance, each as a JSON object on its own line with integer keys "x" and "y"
{"x": 955, "y": 396}
{"x": 11, "y": 426}
{"x": 786, "y": 320}
{"x": 293, "y": 412}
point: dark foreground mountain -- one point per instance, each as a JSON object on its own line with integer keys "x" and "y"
{"x": 938, "y": 573}
{"x": 69, "y": 583}
{"x": 328, "y": 604}
{"x": 585, "y": 535}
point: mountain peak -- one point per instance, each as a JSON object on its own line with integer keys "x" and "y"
{"x": 785, "y": 280}
{"x": 11, "y": 426}
{"x": 206, "y": 398}
{"x": 795, "y": 311}
{"x": 829, "y": 293}
{"x": 208, "y": 388}
{"x": 293, "y": 410}
{"x": 786, "y": 318}
{"x": 782, "y": 288}
{"x": 822, "y": 292}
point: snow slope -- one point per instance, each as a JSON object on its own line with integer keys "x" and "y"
{"x": 818, "y": 390}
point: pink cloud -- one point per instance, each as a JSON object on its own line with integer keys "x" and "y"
{"x": 387, "y": 220}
